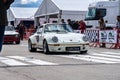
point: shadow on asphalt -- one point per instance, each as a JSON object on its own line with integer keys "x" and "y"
{"x": 10, "y": 44}
{"x": 60, "y": 53}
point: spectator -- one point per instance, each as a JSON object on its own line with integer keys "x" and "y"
{"x": 70, "y": 22}
{"x": 118, "y": 27}
{"x": 64, "y": 24}
{"x": 118, "y": 22}
{"x": 75, "y": 25}
{"x": 21, "y": 31}
{"x": 102, "y": 24}
{"x": 63, "y": 21}
{"x": 4, "y": 6}
{"x": 102, "y": 27}
{"x": 31, "y": 29}
{"x": 82, "y": 26}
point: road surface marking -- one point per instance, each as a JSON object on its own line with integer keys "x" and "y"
{"x": 87, "y": 58}
{"x": 32, "y": 60}
{"x": 11, "y": 62}
{"x": 25, "y": 45}
{"x": 102, "y": 57}
{"x": 106, "y": 55}
{"x": 111, "y": 53}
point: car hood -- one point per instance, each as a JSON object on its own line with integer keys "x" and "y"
{"x": 11, "y": 33}
{"x": 67, "y": 37}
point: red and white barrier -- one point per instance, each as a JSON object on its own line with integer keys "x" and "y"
{"x": 93, "y": 36}
{"x": 97, "y": 37}
{"x": 117, "y": 44}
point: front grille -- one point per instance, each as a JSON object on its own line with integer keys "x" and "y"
{"x": 72, "y": 48}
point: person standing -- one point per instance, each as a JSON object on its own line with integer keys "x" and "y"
{"x": 63, "y": 21}
{"x": 118, "y": 23}
{"x": 118, "y": 31}
{"x": 4, "y": 5}
{"x": 102, "y": 27}
{"x": 102, "y": 24}
{"x": 21, "y": 31}
{"x": 82, "y": 26}
{"x": 70, "y": 23}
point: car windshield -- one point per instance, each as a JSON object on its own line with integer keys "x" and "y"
{"x": 9, "y": 28}
{"x": 58, "y": 28}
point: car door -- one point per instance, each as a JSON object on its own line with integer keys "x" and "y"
{"x": 38, "y": 36}
{"x": 41, "y": 37}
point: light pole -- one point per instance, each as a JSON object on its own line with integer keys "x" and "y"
{"x": 9, "y": 18}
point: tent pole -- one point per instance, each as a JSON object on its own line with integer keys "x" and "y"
{"x": 36, "y": 21}
{"x": 59, "y": 16}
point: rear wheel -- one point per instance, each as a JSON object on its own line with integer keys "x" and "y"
{"x": 17, "y": 42}
{"x": 45, "y": 48}
{"x": 30, "y": 48}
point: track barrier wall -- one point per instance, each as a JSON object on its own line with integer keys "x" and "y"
{"x": 97, "y": 37}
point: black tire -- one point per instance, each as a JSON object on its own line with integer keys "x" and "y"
{"x": 30, "y": 48}
{"x": 45, "y": 48}
{"x": 18, "y": 42}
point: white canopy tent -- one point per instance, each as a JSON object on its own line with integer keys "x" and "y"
{"x": 61, "y": 9}
{"x": 16, "y": 14}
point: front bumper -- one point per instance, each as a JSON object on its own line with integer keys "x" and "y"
{"x": 67, "y": 47}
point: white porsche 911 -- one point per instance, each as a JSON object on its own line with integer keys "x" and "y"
{"x": 57, "y": 38}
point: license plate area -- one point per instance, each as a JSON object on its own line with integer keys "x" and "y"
{"x": 72, "y": 48}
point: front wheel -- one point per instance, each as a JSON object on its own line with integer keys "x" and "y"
{"x": 30, "y": 48}
{"x": 45, "y": 47}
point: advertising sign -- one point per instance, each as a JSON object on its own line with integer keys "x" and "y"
{"x": 108, "y": 36}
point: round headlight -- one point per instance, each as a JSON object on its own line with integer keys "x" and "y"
{"x": 55, "y": 39}
{"x": 85, "y": 38}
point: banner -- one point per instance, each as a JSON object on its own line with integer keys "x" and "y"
{"x": 108, "y": 36}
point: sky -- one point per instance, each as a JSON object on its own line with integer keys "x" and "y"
{"x": 27, "y": 3}
{"x": 36, "y": 3}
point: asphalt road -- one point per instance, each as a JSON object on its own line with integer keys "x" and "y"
{"x": 17, "y": 63}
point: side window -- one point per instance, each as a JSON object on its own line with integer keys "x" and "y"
{"x": 40, "y": 30}
{"x": 46, "y": 28}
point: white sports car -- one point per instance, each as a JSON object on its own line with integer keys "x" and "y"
{"x": 57, "y": 38}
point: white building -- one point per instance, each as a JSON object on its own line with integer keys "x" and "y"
{"x": 52, "y": 10}
{"x": 18, "y": 14}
